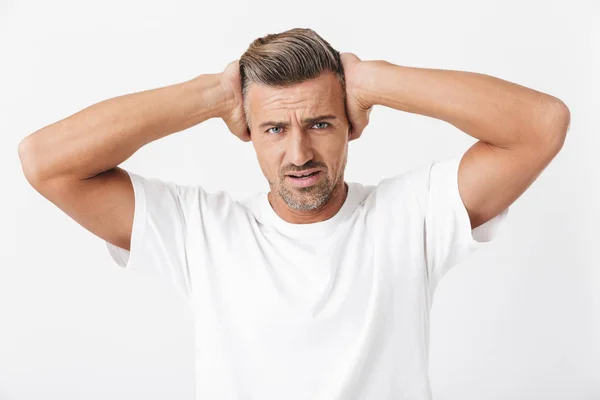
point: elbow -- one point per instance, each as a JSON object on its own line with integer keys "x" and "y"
{"x": 26, "y": 151}
{"x": 561, "y": 122}
{"x": 556, "y": 124}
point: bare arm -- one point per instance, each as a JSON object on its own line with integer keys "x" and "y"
{"x": 107, "y": 133}
{"x": 520, "y": 130}
{"x": 73, "y": 162}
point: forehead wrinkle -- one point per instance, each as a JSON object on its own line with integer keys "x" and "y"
{"x": 287, "y": 99}
{"x": 276, "y": 107}
{"x": 305, "y": 101}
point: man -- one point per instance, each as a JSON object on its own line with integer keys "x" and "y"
{"x": 320, "y": 288}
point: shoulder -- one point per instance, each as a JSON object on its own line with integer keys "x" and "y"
{"x": 190, "y": 200}
{"x": 404, "y": 185}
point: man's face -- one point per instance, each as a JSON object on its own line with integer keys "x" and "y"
{"x": 296, "y": 129}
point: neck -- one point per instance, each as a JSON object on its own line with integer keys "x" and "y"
{"x": 326, "y": 211}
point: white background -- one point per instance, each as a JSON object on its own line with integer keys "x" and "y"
{"x": 519, "y": 319}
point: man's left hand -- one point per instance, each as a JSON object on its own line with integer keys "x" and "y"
{"x": 358, "y": 107}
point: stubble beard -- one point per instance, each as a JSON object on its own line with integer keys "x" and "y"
{"x": 308, "y": 198}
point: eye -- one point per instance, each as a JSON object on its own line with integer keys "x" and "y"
{"x": 326, "y": 124}
{"x": 275, "y": 127}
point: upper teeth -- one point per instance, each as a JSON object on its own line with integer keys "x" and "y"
{"x": 300, "y": 176}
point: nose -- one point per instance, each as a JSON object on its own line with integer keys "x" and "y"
{"x": 299, "y": 147}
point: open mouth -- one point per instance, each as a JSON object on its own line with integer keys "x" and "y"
{"x": 304, "y": 176}
{"x": 305, "y": 180}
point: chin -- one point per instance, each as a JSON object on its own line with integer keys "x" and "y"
{"x": 306, "y": 199}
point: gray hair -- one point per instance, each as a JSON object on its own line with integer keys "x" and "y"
{"x": 287, "y": 58}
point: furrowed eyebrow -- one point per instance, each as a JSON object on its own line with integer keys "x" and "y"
{"x": 306, "y": 121}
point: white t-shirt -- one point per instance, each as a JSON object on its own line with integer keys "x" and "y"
{"x": 332, "y": 310}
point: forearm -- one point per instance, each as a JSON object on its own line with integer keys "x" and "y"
{"x": 107, "y": 133}
{"x": 490, "y": 109}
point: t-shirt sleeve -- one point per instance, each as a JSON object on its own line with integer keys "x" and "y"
{"x": 158, "y": 234}
{"x": 448, "y": 235}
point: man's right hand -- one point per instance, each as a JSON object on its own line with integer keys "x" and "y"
{"x": 235, "y": 118}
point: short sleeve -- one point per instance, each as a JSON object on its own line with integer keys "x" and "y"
{"x": 448, "y": 235}
{"x": 158, "y": 234}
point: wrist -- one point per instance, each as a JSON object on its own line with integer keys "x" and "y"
{"x": 368, "y": 85}
{"x": 214, "y": 97}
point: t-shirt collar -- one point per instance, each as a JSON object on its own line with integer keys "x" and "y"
{"x": 313, "y": 229}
